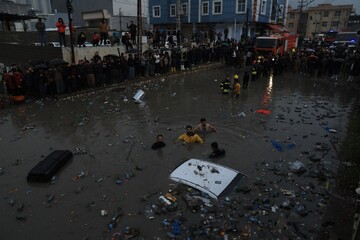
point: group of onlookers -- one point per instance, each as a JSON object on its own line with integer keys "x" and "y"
{"x": 41, "y": 80}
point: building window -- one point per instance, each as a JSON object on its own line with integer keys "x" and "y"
{"x": 184, "y": 10}
{"x": 205, "y": 8}
{"x": 172, "y": 10}
{"x": 326, "y": 13}
{"x": 337, "y": 13}
{"x": 263, "y": 7}
{"x": 335, "y": 24}
{"x": 156, "y": 11}
{"x": 281, "y": 11}
{"x": 240, "y": 6}
{"x": 291, "y": 25}
{"x": 324, "y": 24}
{"x": 217, "y": 7}
{"x": 292, "y": 15}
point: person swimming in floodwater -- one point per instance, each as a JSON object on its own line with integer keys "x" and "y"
{"x": 204, "y": 127}
{"x": 216, "y": 151}
{"x": 190, "y": 136}
{"x": 159, "y": 142}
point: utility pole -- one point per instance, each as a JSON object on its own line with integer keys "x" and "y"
{"x": 247, "y": 22}
{"x": 300, "y": 16}
{"x": 71, "y": 27}
{"x": 120, "y": 29}
{"x": 139, "y": 26}
{"x": 178, "y": 16}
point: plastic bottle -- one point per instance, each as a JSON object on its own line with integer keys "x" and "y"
{"x": 113, "y": 222}
{"x": 277, "y": 145}
{"x": 176, "y": 228}
{"x": 164, "y": 200}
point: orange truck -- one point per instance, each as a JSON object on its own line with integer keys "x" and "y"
{"x": 275, "y": 44}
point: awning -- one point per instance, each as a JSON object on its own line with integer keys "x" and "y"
{"x": 15, "y": 17}
{"x": 278, "y": 28}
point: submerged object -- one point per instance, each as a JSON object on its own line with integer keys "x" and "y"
{"x": 47, "y": 168}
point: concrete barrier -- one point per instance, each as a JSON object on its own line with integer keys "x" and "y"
{"x": 21, "y": 54}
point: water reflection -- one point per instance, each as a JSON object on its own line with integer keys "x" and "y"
{"x": 268, "y": 92}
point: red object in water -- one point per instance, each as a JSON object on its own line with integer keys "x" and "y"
{"x": 263, "y": 111}
{"x": 17, "y": 99}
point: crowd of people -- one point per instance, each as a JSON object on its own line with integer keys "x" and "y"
{"x": 47, "y": 79}
{"x": 44, "y": 79}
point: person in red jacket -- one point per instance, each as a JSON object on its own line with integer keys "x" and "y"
{"x": 61, "y": 30}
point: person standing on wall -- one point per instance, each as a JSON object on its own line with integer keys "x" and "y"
{"x": 40, "y": 27}
{"x": 61, "y": 31}
{"x": 103, "y": 28}
{"x": 132, "y": 29}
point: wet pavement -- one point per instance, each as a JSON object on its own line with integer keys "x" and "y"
{"x": 112, "y": 186}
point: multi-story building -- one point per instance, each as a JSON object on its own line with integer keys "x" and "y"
{"x": 90, "y": 12}
{"x": 327, "y": 17}
{"x": 296, "y": 20}
{"x": 235, "y": 17}
{"x": 38, "y": 6}
{"x": 354, "y": 23}
{"x": 319, "y": 19}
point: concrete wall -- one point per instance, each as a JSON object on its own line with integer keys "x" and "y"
{"x": 15, "y": 47}
{"x": 32, "y": 37}
{"x": 22, "y": 54}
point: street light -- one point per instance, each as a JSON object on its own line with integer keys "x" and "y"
{"x": 70, "y": 11}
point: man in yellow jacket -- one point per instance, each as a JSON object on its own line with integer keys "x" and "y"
{"x": 190, "y": 136}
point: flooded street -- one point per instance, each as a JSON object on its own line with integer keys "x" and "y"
{"x": 114, "y": 166}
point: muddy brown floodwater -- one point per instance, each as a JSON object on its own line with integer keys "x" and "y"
{"x": 114, "y": 166}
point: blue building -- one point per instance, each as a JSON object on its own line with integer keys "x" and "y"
{"x": 235, "y": 17}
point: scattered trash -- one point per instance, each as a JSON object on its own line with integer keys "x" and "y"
{"x": 297, "y": 167}
{"x": 264, "y": 111}
{"x": 139, "y": 95}
{"x": 301, "y": 209}
{"x": 50, "y": 198}
{"x": 113, "y": 222}
{"x": 242, "y": 114}
{"x": 331, "y": 130}
{"x": 80, "y": 150}
{"x": 103, "y": 213}
{"x": 53, "y": 180}
{"x": 277, "y": 145}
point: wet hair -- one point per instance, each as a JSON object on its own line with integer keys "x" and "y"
{"x": 214, "y": 145}
{"x": 202, "y": 119}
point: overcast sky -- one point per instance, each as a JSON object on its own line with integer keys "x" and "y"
{"x": 356, "y": 3}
